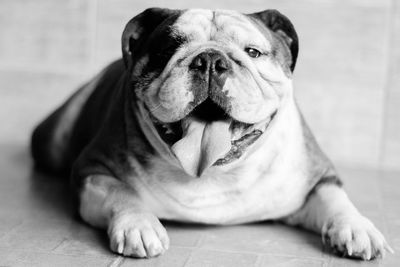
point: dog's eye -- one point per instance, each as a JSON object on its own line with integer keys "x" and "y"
{"x": 252, "y": 52}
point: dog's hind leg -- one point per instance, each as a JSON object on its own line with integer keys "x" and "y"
{"x": 50, "y": 139}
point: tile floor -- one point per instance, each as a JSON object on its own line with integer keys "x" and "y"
{"x": 38, "y": 227}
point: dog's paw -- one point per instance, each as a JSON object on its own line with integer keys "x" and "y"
{"x": 354, "y": 236}
{"x": 137, "y": 235}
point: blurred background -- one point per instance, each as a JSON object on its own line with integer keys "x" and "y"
{"x": 346, "y": 81}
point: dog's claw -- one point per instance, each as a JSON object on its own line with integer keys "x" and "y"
{"x": 354, "y": 236}
{"x": 349, "y": 249}
{"x": 137, "y": 235}
{"x": 120, "y": 248}
{"x": 388, "y": 248}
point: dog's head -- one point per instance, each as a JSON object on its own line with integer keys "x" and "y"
{"x": 211, "y": 80}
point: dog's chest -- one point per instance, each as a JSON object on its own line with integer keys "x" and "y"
{"x": 226, "y": 198}
{"x": 268, "y": 183}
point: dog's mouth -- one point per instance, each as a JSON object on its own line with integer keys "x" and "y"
{"x": 208, "y": 136}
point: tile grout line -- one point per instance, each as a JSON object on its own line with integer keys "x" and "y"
{"x": 117, "y": 262}
{"x": 188, "y": 258}
{"x": 59, "y": 244}
{"x": 199, "y": 242}
{"x": 258, "y": 261}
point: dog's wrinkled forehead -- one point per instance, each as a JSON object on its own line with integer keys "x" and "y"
{"x": 199, "y": 25}
{"x": 151, "y": 38}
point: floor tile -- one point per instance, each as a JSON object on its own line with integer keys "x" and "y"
{"x": 28, "y": 258}
{"x": 85, "y": 240}
{"x": 175, "y": 257}
{"x": 185, "y": 235}
{"x": 264, "y": 238}
{"x": 209, "y": 258}
{"x": 279, "y": 261}
{"x": 43, "y": 235}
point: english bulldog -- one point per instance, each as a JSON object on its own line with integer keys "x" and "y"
{"x": 198, "y": 123}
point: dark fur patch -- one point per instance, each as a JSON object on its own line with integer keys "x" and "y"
{"x": 285, "y": 41}
{"x": 139, "y": 30}
{"x": 159, "y": 55}
{"x": 326, "y": 180}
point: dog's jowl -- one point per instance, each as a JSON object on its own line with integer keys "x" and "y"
{"x": 198, "y": 123}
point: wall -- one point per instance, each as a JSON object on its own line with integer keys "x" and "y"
{"x": 347, "y": 78}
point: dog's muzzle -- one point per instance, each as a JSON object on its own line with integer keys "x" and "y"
{"x": 208, "y": 135}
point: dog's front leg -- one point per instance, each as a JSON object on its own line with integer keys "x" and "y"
{"x": 111, "y": 204}
{"x": 330, "y": 212}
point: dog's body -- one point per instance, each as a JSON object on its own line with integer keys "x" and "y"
{"x": 196, "y": 99}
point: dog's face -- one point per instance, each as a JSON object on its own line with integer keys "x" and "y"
{"x": 211, "y": 80}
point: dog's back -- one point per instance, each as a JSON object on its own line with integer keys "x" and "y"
{"x": 59, "y": 139}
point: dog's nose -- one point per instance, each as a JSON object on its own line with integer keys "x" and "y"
{"x": 211, "y": 60}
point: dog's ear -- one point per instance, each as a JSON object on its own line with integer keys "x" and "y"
{"x": 282, "y": 26}
{"x": 139, "y": 28}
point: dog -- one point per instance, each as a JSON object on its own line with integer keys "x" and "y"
{"x": 197, "y": 122}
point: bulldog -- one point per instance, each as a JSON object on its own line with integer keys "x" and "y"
{"x": 198, "y": 123}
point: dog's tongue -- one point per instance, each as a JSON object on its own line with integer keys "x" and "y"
{"x": 202, "y": 144}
